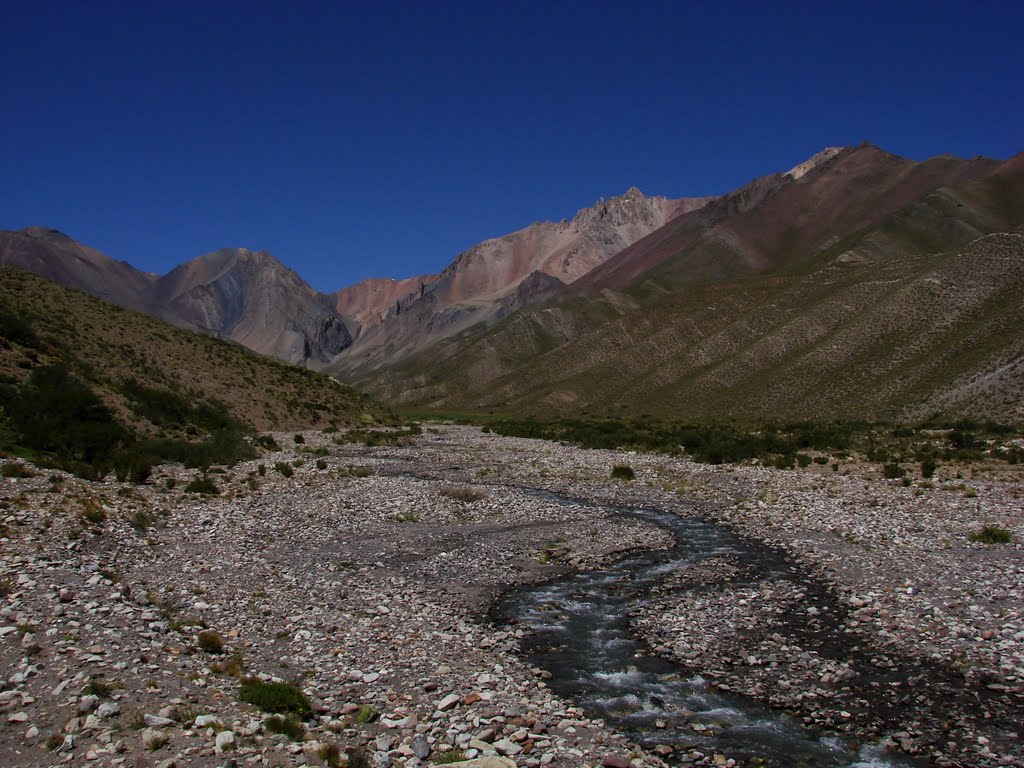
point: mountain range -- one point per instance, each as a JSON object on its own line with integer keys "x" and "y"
{"x": 859, "y": 284}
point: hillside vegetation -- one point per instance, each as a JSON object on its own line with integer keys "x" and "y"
{"x": 90, "y": 386}
{"x": 902, "y": 339}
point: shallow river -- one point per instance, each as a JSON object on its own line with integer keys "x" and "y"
{"x": 578, "y": 629}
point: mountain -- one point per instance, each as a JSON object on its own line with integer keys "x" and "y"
{"x": 858, "y": 285}
{"x": 241, "y": 295}
{"x": 250, "y": 297}
{"x": 89, "y": 386}
{"x": 493, "y": 279}
{"x": 55, "y": 256}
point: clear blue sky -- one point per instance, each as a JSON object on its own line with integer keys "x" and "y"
{"x": 359, "y": 139}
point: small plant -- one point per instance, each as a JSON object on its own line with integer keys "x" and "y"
{"x": 17, "y": 469}
{"x": 202, "y": 484}
{"x": 357, "y": 757}
{"x": 288, "y": 725}
{"x": 97, "y": 687}
{"x": 170, "y": 483}
{"x": 92, "y": 511}
{"x": 623, "y": 472}
{"x": 991, "y": 534}
{"x": 366, "y": 714}
{"x": 54, "y": 741}
{"x": 262, "y": 469}
{"x": 268, "y": 442}
{"x": 803, "y": 460}
{"x": 154, "y": 740}
{"x": 140, "y": 521}
{"x": 928, "y": 467}
{"x": 232, "y": 666}
{"x": 468, "y": 495}
{"x": 406, "y": 517}
{"x": 210, "y": 641}
{"x": 284, "y": 468}
{"x": 299, "y": 439}
{"x": 451, "y": 756}
{"x": 275, "y": 698}
{"x": 321, "y": 464}
{"x": 893, "y": 471}
{"x": 330, "y": 754}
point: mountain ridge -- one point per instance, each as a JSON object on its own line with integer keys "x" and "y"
{"x": 569, "y": 293}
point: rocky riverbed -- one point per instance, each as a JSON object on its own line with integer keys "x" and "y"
{"x": 364, "y": 577}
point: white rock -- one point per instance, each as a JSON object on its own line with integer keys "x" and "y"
{"x": 225, "y": 741}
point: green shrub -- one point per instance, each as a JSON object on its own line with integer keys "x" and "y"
{"x": 57, "y": 414}
{"x": 991, "y": 534}
{"x": 15, "y": 328}
{"x": 202, "y": 484}
{"x": 210, "y": 641}
{"x": 928, "y": 467}
{"x": 623, "y": 472}
{"x": 321, "y": 464}
{"x": 803, "y": 460}
{"x": 893, "y": 471}
{"x": 275, "y": 698}
{"x": 357, "y": 757}
{"x": 97, "y": 687}
{"x": 268, "y": 442}
{"x": 822, "y": 460}
{"x": 299, "y": 439}
{"x": 366, "y": 714}
{"x": 289, "y": 725}
{"x": 784, "y": 461}
{"x": 284, "y": 468}
{"x": 451, "y": 756}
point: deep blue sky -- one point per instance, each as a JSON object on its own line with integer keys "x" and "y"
{"x": 380, "y": 139}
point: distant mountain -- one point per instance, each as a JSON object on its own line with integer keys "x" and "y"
{"x": 55, "y": 256}
{"x": 493, "y": 279}
{"x": 241, "y": 295}
{"x": 843, "y": 287}
{"x": 250, "y": 297}
{"x": 858, "y": 285}
{"x": 90, "y": 386}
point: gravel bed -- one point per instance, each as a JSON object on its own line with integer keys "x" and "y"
{"x": 366, "y": 583}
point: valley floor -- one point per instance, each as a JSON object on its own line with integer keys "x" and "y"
{"x": 365, "y": 577}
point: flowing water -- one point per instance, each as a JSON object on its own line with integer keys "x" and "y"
{"x": 578, "y": 629}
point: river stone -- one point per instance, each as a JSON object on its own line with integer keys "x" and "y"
{"x": 225, "y": 741}
{"x": 448, "y": 702}
{"x": 486, "y": 762}
{"x": 420, "y": 747}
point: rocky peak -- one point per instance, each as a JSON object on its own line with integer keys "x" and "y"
{"x": 631, "y": 207}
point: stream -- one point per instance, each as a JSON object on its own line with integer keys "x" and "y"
{"x": 578, "y": 629}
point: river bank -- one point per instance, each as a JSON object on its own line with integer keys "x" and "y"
{"x": 366, "y": 581}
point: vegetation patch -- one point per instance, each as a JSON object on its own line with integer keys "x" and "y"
{"x": 203, "y": 485}
{"x": 288, "y": 725}
{"x": 623, "y": 472}
{"x": 210, "y": 641}
{"x": 375, "y": 437}
{"x": 467, "y": 495}
{"x": 991, "y": 534}
{"x": 275, "y": 698}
